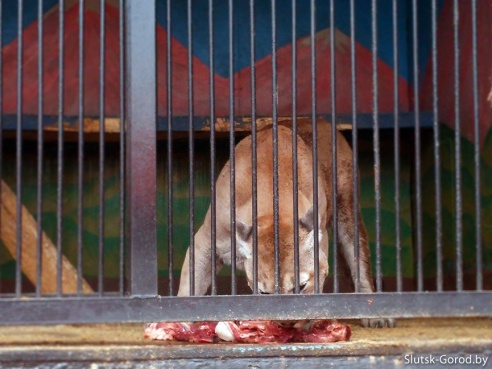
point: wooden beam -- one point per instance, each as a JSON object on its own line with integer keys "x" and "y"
{"x": 49, "y": 257}
{"x": 90, "y": 125}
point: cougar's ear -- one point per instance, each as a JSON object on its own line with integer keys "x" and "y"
{"x": 307, "y": 220}
{"x": 243, "y": 235}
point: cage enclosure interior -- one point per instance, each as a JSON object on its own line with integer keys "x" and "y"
{"x": 245, "y": 160}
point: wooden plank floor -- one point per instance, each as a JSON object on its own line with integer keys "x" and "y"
{"x": 78, "y": 345}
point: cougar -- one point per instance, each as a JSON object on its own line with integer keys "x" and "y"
{"x": 265, "y": 219}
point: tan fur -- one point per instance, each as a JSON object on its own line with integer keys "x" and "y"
{"x": 243, "y": 197}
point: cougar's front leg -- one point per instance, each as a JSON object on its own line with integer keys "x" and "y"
{"x": 347, "y": 237}
{"x": 202, "y": 265}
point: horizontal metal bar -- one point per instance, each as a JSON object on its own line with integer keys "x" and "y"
{"x": 180, "y": 123}
{"x": 337, "y": 355}
{"x": 364, "y": 121}
{"x": 76, "y": 310}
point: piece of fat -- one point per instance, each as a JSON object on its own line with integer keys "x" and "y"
{"x": 224, "y": 332}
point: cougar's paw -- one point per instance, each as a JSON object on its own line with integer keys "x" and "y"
{"x": 379, "y": 323}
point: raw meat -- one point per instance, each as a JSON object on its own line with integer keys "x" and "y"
{"x": 320, "y": 331}
{"x": 190, "y": 332}
{"x": 254, "y": 332}
{"x": 323, "y": 331}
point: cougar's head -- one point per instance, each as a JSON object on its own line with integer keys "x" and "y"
{"x": 286, "y": 256}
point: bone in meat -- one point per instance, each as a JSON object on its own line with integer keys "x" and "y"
{"x": 320, "y": 331}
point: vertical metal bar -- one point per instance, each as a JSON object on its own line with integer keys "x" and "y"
{"x": 457, "y": 149}
{"x": 315, "y": 146}
{"x": 18, "y": 203}
{"x": 355, "y": 172}
{"x": 122, "y": 145}
{"x": 376, "y": 144}
{"x": 232, "y": 160}
{"x": 437, "y": 140}
{"x": 102, "y": 48}
{"x": 295, "y": 183}
{"x": 59, "y": 204}
{"x": 276, "y": 241}
{"x": 1, "y": 107}
{"x": 213, "y": 206}
{"x": 254, "y": 178}
{"x": 191, "y": 148}
{"x": 476, "y": 139}
{"x": 39, "y": 180}
{"x": 81, "y": 149}
{"x": 169, "y": 93}
{"x": 80, "y": 184}
{"x": 140, "y": 107}
{"x": 418, "y": 196}
{"x": 334, "y": 133}
{"x": 396, "y": 99}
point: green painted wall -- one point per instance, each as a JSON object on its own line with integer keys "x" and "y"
{"x": 448, "y": 209}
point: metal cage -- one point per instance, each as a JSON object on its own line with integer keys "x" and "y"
{"x": 148, "y": 61}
